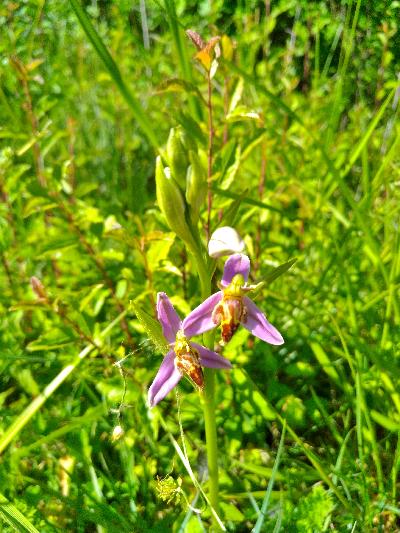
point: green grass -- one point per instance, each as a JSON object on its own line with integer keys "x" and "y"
{"x": 306, "y": 166}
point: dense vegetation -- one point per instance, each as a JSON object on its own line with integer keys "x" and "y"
{"x": 305, "y": 165}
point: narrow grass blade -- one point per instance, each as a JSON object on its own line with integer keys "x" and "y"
{"x": 10, "y": 514}
{"x": 345, "y": 54}
{"x": 365, "y": 138}
{"x": 324, "y": 476}
{"x": 265, "y": 503}
{"x": 178, "y": 40}
{"x": 101, "y": 50}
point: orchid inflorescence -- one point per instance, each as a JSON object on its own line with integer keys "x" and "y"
{"x": 229, "y": 308}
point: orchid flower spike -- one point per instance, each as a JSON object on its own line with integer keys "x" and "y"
{"x": 230, "y": 307}
{"x": 184, "y": 357}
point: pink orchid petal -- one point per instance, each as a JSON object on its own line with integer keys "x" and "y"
{"x": 235, "y": 264}
{"x": 209, "y": 358}
{"x": 200, "y": 319}
{"x": 167, "y": 316}
{"x": 257, "y": 323}
{"x": 166, "y": 379}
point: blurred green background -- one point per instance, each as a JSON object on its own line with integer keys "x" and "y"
{"x": 307, "y": 137}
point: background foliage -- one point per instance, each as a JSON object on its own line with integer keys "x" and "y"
{"x": 307, "y": 137}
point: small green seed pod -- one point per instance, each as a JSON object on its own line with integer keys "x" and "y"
{"x": 196, "y": 185}
{"x": 172, "y": 204}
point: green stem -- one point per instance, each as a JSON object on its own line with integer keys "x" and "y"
{"x": 211, "y": 435}
{"x": 209, "y": 396}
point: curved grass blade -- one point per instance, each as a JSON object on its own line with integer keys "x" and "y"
{"x": 101, "y": 50}
{"x": 265, "y": 503}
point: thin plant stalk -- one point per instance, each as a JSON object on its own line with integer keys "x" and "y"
{"x": 209, "y": 399}
{"x": 208, "y": 338}
{"x": 209, "y": 154}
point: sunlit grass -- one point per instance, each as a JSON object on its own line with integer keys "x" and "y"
{"x": 305, "y": 165}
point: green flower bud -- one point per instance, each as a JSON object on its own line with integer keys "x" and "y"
{"x": 177, "y": 156}
{"x": 172, "y": 204}
{"x": 196, "y": 185}
{"x": 188, "y": 142}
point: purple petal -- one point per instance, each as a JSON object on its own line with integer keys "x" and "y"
{"x": 167, "y": 316}
{"x": 257, "y": 323}
{"x": 166, "y": 379}
{"x": 200, "y": 319}
{"x": 235, "y": 264}
{"x": 210, "y": 359}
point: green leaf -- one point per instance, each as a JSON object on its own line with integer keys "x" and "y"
{"x": 228, "y": 178}
{"x": 37, "y": 204}
{"x": 236, "y": 96}
{"x": 243, "y": 112}
{"x": 152, "y": 327}
{"x": 177, "y": 85}
{"x": 230, "y": 512}
{"x": 278, "y": 271}
{"x": 385, "y": 421}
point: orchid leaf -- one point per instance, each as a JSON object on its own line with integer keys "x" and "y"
{"x": 152, "y": 327}
{"x": 278, "y": 271}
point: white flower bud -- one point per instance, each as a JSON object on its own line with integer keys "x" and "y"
{"x": 225, "y": 241}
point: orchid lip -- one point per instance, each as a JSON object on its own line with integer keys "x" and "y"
{"x": 215, "y": 309}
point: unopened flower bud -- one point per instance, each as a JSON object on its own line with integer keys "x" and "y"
{"x": 196, "y": 185}
{"x": 177, "y": 156}
{"x": 225, "y": 241}
{"x": 172, "y": 204}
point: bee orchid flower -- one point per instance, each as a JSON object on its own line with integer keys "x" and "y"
{"x": 184, "y": 357}
{"x": 230, "y": 307}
